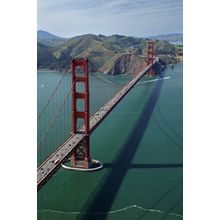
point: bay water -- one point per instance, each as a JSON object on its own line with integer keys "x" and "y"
{"x": 140, "y": 145}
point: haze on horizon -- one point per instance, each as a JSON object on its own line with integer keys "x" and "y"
{"x": 139, "y": 18}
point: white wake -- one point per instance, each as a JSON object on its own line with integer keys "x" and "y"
{"x": 112, "y": 212}
{"x": 153, "y": 80}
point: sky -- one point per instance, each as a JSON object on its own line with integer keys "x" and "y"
{"x": 139, "y": 18}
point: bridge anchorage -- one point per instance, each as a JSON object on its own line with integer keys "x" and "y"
{"x": 80, "y": 158}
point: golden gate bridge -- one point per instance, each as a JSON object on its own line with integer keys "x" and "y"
{"x": 75, "y": 145}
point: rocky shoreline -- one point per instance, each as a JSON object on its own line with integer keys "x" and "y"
{"x": 130, "y": 63}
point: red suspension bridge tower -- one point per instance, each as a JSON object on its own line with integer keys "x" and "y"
{"x": 150, "y": 58}
{"x": 81, "y": 154}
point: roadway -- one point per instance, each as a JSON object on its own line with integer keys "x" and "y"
{"x": 53, "y": 162}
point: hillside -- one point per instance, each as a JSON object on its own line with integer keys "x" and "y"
{"x": 127, "y": 63}
{"x": 113, "y": 54}
{"x": 45, "y": 57}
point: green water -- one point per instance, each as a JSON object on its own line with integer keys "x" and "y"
{"x": 140, "y": 145}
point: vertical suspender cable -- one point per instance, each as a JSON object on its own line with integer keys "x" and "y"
{"x": 58, "y": 112}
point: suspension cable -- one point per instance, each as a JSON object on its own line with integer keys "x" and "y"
{"x": 102, "y": 80}
{"x": 57, "y": 114}
{"x": 52, "y": 95}
{"x": 105, "y": 75}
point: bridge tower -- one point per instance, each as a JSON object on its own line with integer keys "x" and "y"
{"x": 150, "y": 57}
{"x": 81, "y": 154}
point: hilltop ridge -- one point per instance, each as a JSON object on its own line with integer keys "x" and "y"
{"x": 115, "y": 54}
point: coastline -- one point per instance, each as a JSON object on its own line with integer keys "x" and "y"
{"x": 60, "y": 71}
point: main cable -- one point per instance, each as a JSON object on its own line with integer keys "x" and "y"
{"x": 105, "y": 75}
{"x": 102, "y": 80}
{"x": 57, "y": 114}
{"x": 52, "y": 95}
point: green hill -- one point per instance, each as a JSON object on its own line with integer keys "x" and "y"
{"x": 45, "y": 57}
{"x": 102, "y": 50}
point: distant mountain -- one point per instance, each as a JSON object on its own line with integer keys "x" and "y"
{"x": 172, "y": 38}
{"x": 41, "y": 35}
{"x": 49, "y": 39}
{"x": 110, "y": 53}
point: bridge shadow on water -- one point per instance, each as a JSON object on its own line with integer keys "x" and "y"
{"x": 131, "y": 166}
{"x": 108, "y": 189}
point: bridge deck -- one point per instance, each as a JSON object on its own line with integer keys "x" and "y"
{"x": 53, "y": 162}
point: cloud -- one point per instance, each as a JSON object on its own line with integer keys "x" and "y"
{"x": 130, "y": 17}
